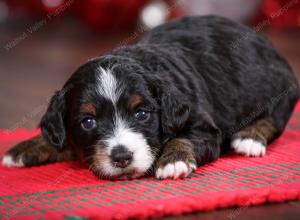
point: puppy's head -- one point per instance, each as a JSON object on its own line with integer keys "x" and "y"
{"x": 116, "y": 118}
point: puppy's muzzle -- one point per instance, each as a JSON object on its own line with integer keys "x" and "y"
{"x": 121, "y": 157}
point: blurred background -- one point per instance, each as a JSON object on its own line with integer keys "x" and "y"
{"x": 42, "y": 42}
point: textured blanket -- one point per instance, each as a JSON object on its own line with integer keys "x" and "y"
{"x": 69, "y": 191}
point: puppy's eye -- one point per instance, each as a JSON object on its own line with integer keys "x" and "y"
{"x": 142, "y": 115}
{"x": 88, "y": 124}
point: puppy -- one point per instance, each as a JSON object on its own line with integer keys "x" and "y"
{"x": 168, "y": 104}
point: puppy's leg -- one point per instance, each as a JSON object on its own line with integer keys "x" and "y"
{"x": 177, "y": 160}
{"x": 35, "y": 151}
{"x": 253, "y": 140}
{"x": 181, "y": 156}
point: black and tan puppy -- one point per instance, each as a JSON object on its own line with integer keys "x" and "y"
{"x": 168, "y": 104}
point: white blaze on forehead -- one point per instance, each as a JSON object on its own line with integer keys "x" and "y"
{"x": 134, "y": 142}
{"x": 108, "y": 85}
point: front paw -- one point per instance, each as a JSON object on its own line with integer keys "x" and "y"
{"x": 177, "y": 160}
{"x": 11, "y": 161}
{"x": 28, "y": 153}
{"x": 175, "y": 170}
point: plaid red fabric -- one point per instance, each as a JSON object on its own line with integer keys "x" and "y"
{"x": 69, "y": 191}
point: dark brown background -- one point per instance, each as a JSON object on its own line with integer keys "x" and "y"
{"x": 38, "y": 65}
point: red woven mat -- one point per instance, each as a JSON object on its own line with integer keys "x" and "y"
{"x": 69, "y": 191}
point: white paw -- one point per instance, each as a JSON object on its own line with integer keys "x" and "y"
{"x": 175, "y": 170}
{"x": 248, "y": 147}
{"x": 8, "y": 161}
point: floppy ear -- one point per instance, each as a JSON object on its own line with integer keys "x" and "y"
{"x": 52, "y": 123}
{"x": 175, "y": 110}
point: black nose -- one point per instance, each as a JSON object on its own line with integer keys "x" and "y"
{"x": 121, "y": 157}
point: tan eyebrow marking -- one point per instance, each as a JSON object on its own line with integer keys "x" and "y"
{"x": 134, "y": 101}
{"x": 89, "y": 108}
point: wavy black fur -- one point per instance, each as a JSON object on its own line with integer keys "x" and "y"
{"x": 202, "y": 78}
